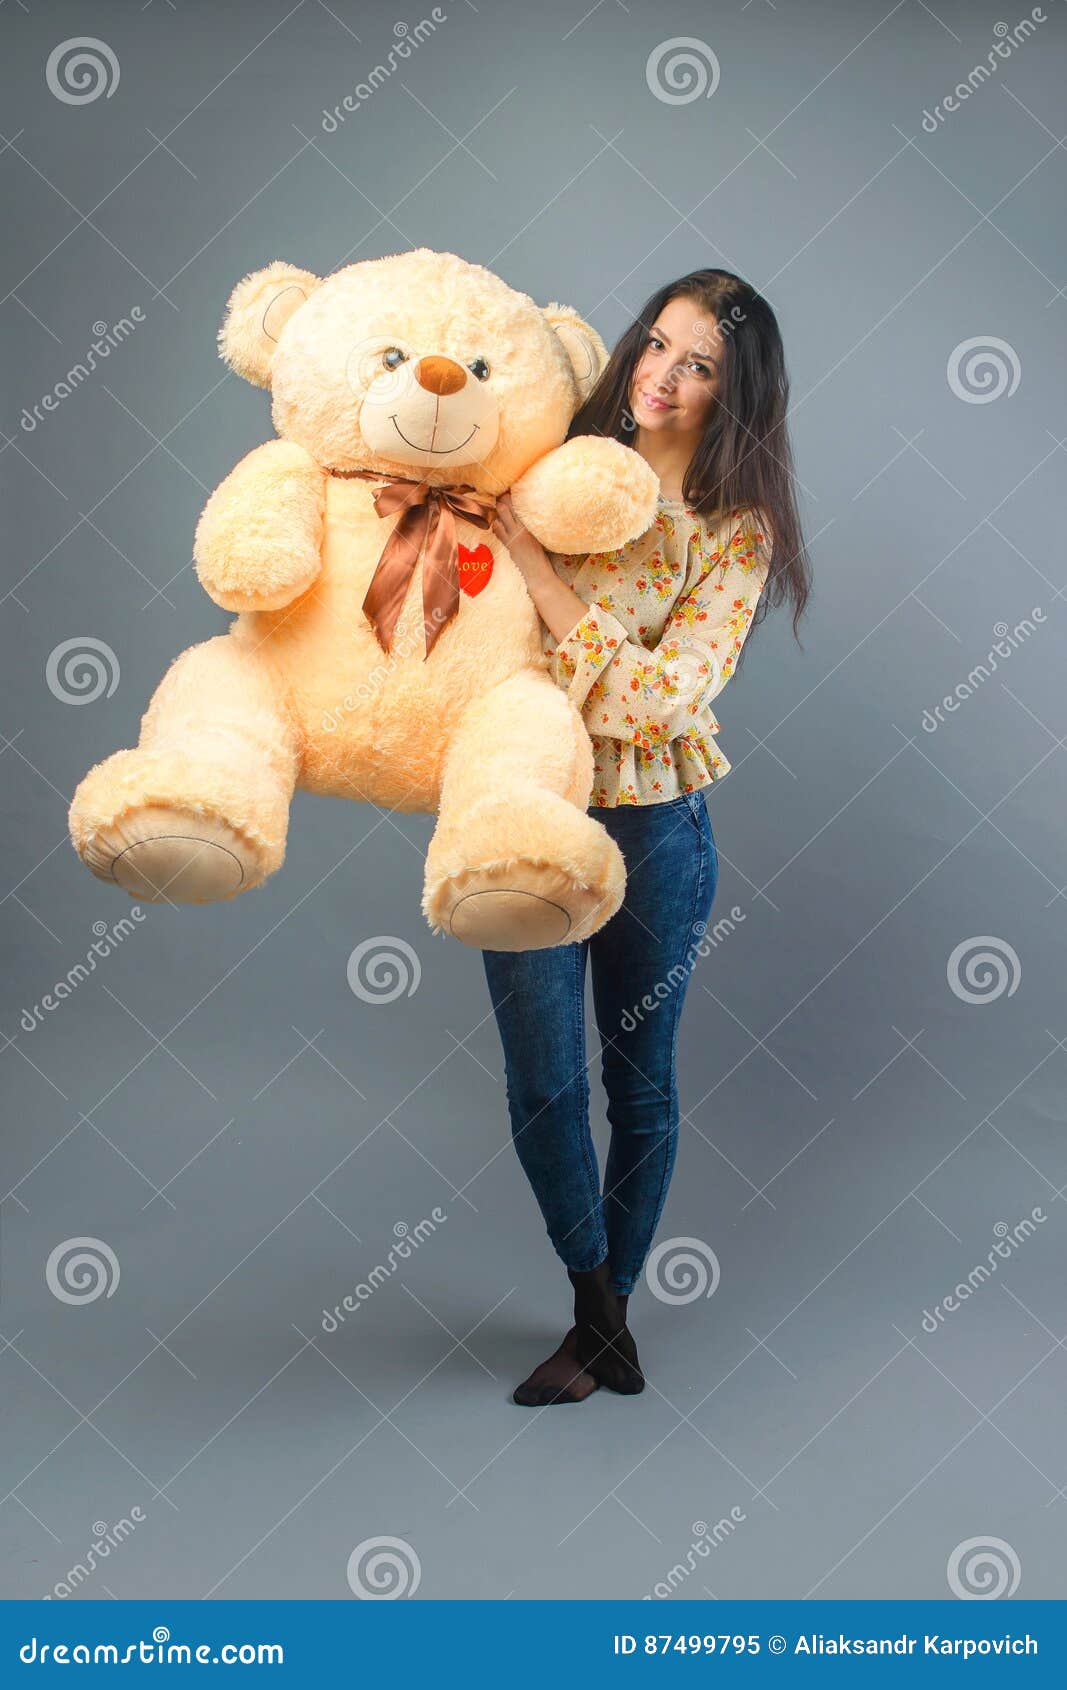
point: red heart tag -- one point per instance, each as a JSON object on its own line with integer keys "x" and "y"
{"x": 475, "y": 568}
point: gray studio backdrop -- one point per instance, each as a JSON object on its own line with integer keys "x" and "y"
{"x": 872, "y": 1062}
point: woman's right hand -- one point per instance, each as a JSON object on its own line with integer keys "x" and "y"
{"x": 527, "y": 554}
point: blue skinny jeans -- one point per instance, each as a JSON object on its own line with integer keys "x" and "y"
{"x": 642, "y": 960}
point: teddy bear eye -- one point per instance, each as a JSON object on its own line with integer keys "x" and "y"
{"x": 392, "y": 357}
{"x": 479, "y": 367}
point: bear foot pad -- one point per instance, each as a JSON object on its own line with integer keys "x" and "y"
{"x": 523, "y": 907}
{"x": 162, "y": 855}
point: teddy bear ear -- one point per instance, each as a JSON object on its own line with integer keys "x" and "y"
{"x": 587, "y": 353}
{"x": 256, "y": 313}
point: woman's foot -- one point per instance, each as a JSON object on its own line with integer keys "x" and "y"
{"x": 559, "y": 1379}
{"x": 603, "y": 1341}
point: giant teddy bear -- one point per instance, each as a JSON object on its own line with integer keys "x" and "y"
{"x": 385, "y": 647}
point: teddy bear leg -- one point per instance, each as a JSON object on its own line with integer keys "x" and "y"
{"x": 515, "y": 863}
{"x": 198, "y": 811}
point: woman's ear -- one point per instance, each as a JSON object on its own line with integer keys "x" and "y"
{"x": 256, "y": 313}
{"x": 587, "y": 353}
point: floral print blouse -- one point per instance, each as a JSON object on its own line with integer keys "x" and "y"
{"x": 667, "y": 616}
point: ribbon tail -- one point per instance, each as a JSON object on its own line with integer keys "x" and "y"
{"x": 385, "y": 596}
{"x": 440, "y": 575}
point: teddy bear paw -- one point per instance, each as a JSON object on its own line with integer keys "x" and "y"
{"x": 523, "y": 907}
{"x": 526, "y": 870}
{"x": 159, "y": 854}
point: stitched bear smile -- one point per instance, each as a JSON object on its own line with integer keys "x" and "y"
{"x": 438, "y": 451}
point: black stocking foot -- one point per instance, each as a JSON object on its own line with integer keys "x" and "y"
{"x": 559, "y": 1379}
{"x": 603, "y": 1341}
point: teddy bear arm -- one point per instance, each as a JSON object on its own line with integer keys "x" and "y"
{"x": 258, "y": 542}
{"x": 588, "y": 495}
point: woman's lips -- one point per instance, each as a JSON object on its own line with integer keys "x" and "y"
{"x": 655, "y": 404}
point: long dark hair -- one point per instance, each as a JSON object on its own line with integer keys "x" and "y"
{"x": 744, "y": 459}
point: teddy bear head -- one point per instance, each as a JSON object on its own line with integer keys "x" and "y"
{"x": 417, "y": 364}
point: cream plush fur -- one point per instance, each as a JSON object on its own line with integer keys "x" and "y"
{"x": 299, "y": 693}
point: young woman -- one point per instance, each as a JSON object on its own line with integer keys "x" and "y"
{"x": 642, "y": 640}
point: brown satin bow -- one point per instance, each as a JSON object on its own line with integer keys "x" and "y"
{"x": 426, "y": 514}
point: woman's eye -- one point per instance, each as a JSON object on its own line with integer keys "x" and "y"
{"x": 479, "y": 367}
{"x": 392, "y": 357}
{"x": 655, "y": 342}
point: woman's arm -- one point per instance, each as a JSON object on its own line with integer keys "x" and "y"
{"x": 558, "y": 605}
{"x": 625, "y": 690}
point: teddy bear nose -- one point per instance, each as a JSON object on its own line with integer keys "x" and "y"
{"x": 440, "y": 375}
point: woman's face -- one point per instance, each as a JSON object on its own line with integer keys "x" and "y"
{"x": 677, "y": 376}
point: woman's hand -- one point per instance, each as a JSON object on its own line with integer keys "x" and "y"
{"x": 558, "y": 605}
{"x": 527, "y": 554}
